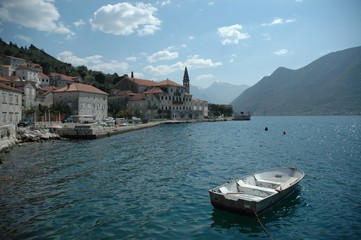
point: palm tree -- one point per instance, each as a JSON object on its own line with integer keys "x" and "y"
{"x": 60, "y": 108}
{"x": 41, "y": 111}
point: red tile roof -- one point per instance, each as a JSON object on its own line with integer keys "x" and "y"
{"x": 3, "y": 86}
{"x": 154, "y": 91}
{"x": 24, "y": 68}
{"x": 169, "y": 83}
{"x": 80, "y": 87}
{"x": 42, "y": 75}
{"x": 137, "y": 97}
{"x": 63, "y": 77}
{"x": 120, "y": 93}
{"x": 143, "y": 82}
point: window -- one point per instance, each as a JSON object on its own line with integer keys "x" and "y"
{"x": 4, "y": 97}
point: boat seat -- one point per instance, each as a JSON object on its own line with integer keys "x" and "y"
{"x": 249, "y": 186}
{"x": 286, "y": 184}
{"x": 266, "y": 181}
{"x": 224, "y": 190}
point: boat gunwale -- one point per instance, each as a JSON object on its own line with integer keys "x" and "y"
{"x": 277, "y": 191}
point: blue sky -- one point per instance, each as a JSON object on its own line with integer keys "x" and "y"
{"x": 234, "y": 41}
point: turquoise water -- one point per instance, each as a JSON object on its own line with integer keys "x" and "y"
{"x": 153, "y": 183}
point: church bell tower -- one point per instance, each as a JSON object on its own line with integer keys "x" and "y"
{"x": 186, "y": 80}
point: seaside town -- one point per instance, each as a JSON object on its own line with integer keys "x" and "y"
{"x": 57, "y": 105}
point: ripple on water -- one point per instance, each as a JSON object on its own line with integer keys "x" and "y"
{"x": 153, "y": 183}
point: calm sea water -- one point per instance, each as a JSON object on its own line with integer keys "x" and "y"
{"x": 153, "y": 183}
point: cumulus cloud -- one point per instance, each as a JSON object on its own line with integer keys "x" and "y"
{"x": 125, "y": 18}
{"x": 193, "y": 62}
{"x": 232, "y": 34}
{"x": 37, "y": 14}
{"x": 163, "y": 3}
{"x": 281, "y": 52}
{"x": 196, "y": 62}
{"x": 164, "y": 54}
{"x": 94, "y": 62}
{"x": 22, "y": 38}
{"x": 204, "y": 76}
{"x": 278, "y": 21}
{"x": 131, "y": 59}
{"x": 79, "y": 23}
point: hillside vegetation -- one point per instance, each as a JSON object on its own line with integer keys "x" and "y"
{"x": 50, "y": 64}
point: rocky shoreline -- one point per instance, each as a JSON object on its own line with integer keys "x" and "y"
{"x": 26, "y": 135}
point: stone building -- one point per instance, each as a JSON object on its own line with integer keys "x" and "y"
{"x": 83, "y": 99}
{"x": 166, "y": 99}
{"x": 10, "y": 105}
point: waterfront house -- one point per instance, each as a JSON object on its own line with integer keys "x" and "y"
{"x": 11, "y": 64}
{"x": 165, "y": 99}
{"x": 10, "y": 105}
{"x": 44, "y": 80}
{"x": 83, "y": 99}
{"x": 44, "y": 96}
{"x": 27, "y": 74}
{"x": 62, "y": 80}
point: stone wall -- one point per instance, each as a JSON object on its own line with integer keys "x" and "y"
{"x": 7, "y": 136}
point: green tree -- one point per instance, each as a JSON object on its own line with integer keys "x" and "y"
{"x": 41, "y": 111}
{"x": 60, "y": 109}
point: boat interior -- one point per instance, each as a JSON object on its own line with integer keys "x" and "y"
{"x": 257, "y": 186}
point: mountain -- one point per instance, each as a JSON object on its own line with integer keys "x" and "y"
{"x": 218, "y": 92}
{"x": 331, "y": 85}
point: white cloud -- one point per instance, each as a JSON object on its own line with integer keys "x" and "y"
{"x": 163, "y": 3}
{"x": 196, "y": 62}
{"x": 131, "y": 59}
{"x": 232, "y": 34}
{"x": 164, "y": 54}
{"x": 204, "y": 76}
{"x": 281, "y": 52}
{"x": 23, "y": 38}
{"x": 79, "y": 23}
{"x": 41, "y": 15}
{"x": 278, "y": 21}
{"x": 125, "y": 18}
{"x": 94, "y": 62}
{"x": 192, "y": 62}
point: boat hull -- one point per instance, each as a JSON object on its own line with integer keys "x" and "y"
{"x": 248, "y": 207}
{"x": 256, "y": 193}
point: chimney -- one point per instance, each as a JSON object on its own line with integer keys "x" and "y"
{"x": 132, "y": 75}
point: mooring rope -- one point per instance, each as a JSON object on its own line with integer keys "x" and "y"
{"x": 261, "y": 224}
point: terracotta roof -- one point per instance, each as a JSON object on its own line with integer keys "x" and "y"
{"x": 21, "y": 67}
{"x": 80, "y": 87}
{"x": 197, "y": 100}
{"x": 13, "y": 78}
{"x": 169, "y": 83}
{"x": 49, "y": 88}
{"x": 137, "y": 97}
{"x": 42, "y": 75}
{"x": 143, "y": 82}
{"x": 63, "y": 77}
{"x": 119, "y": 93}
{"x": 154, "y": 91}
{"x": 3, "y": 86}
{"x": 46, "y": 90}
